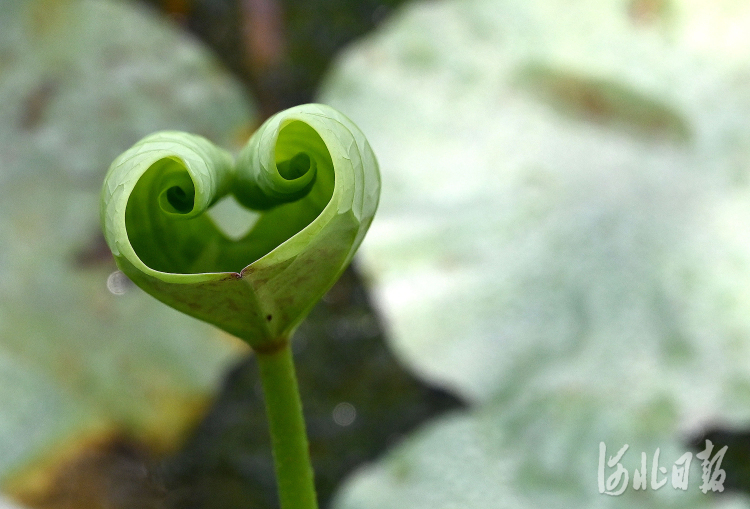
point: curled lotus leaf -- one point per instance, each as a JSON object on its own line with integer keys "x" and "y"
{"x": 308, "y": 171}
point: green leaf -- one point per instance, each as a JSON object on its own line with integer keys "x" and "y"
{"x": 563, "y": 225}
{"x": 308, "y": 169}
{"x": 87, "y": 360}
{"x": 544, "y": 454}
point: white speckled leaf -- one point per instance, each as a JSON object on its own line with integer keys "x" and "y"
{"x": 80, "y": 81}
{"x": 565, "y": 210}
{"x": 544, "y": 455}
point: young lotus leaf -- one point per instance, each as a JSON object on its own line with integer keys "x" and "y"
{"x": 311, "y": 173}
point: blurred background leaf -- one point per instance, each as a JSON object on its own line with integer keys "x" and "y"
{"x": 89, "y": 363}
{"x": 562, "y": 239}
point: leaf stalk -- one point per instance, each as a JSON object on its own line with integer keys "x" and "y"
{"x": 294, "y": 473}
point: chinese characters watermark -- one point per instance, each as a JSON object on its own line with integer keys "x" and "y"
{"x": 617, "y": 482}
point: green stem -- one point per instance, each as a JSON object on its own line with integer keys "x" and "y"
{"x": 294, "y": 474}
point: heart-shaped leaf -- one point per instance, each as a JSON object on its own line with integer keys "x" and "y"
{"x": 308, "y": 169}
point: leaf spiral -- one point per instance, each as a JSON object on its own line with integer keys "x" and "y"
{"x": 308, "y": 169}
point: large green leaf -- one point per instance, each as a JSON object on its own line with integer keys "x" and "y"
{"x": 308, "y": 168}
{"x": 564, "y": 216}
{"x": 542, "y": 455}
{"x": 85, "y": 358}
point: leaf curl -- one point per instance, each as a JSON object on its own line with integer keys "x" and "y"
{"x": 310, "y": 171}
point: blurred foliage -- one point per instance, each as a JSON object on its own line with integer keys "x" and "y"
{"x": 87, "y": 361}
{"x": 562, "y": 238}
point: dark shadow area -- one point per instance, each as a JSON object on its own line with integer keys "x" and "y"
{"x": 736, "y": 460}
{"x": 279, "y": 49}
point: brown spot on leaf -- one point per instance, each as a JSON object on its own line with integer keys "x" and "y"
{"x": 603, "y": 101}
{"x": 35, "y": 104}
{"x": 247, "y": 270}
{"x": 648, "y": 12}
